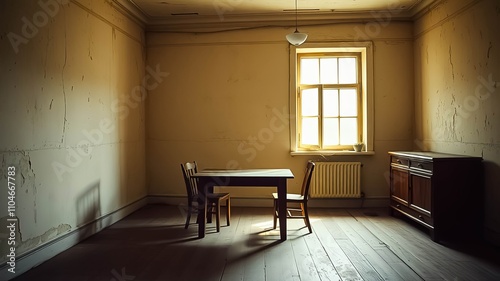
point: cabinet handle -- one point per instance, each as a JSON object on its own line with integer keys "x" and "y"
{"x": 398, "y": 161}
{"x": 420, "y": 217}
{"x": 398, "y": 206}
{"x": 420, "y": 165}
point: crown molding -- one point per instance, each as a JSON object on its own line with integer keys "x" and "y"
{"x": 214, "y": 23}
{"x": 423, "y": 7}
{"x": 200, "y": 24}
{"x": 130, "y": 8}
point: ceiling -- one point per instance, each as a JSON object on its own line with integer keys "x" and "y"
{"x": 176, "y": 13}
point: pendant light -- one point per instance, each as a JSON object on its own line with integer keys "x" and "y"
{"x": 296, "y": 38}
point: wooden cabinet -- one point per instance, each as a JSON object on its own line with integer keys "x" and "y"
{"x": 442, "y": 192}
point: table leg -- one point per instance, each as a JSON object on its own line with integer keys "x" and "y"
{"x": 209, "y": 190}
{"x": 282, "y": 208}
{"x": 202, "y": 207}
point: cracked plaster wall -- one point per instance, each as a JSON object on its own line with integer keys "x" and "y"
{"x": 457, "y": 89}
{"x": 77, "y": 157}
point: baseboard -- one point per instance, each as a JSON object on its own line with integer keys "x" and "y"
{"x": 36, "y": 256}
{"x": 349, "y": 203}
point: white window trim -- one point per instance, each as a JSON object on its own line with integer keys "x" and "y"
{"x": 366, "y": 49}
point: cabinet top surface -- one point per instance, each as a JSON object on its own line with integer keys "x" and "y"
{"x": 429, "y": 155}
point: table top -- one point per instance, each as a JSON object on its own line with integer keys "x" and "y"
{"x": 246, "y": 173}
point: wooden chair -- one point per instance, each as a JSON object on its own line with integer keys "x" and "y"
{"x": 213, "y": 199}
{"x": 297, "y": 199}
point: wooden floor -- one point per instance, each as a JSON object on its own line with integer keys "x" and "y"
{"x": 346, "y": 244}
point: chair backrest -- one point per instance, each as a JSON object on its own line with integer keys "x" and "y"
{"x": 307, "y": 179}
{"x": 188, "y": 170}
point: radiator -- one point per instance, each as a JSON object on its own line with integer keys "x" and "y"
{"x": 336, "y": 180}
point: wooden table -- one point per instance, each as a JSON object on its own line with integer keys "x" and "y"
{"x": 207, "y": 179}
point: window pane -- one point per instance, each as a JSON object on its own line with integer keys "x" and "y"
{"x": 347, "y": 71}
{"x": 309, "y": 71}
{"x": 330, "y": 131}
{"x": 310, "y": 131}
{"x": 331, "y": 102}
{"x": 348, "y": 102}
{"x": 328, "y": 71}
{"x": 310, "y": 102}
{"x": 348, "y": 131}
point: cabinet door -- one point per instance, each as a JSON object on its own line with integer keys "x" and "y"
{"x": 399, "y": 185}
{"x": 420, "y": 190}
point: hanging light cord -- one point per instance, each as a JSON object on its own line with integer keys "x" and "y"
{"x": 296, "y": 16}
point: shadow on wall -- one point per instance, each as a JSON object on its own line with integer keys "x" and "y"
{"x": 88, "y": 209}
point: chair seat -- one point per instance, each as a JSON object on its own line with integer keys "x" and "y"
{"x": 217, "y": 196}
{"x": 213, "y": 197}
{"x": 290, "y": 197}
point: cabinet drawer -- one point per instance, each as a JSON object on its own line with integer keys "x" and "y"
{"x": 421, "y": 165}
{"x": 422, "y": 218}
{"x": 400, "y": 161}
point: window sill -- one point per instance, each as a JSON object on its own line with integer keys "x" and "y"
{"x": 330, "y": 153}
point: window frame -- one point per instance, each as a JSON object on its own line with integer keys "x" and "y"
{"x": 321, "y": 87}
{"x": 365, "y": 52}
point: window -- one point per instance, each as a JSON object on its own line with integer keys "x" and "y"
{"x": 330, "y": 98}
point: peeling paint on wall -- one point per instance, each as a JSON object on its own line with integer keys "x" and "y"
{"x": 26, "y": 197}
{"x": 25, "y": 177}
{"x": 50, "y": 234}
{"x": 23, "y": 246}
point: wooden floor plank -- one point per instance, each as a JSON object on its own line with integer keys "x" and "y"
{"x": 303, "y": 260}
{"x": 246, "y": 257}
{"x": 280, "y": 263}
{"x": 324, "y": 265}
{"x": 336, "y": 226}
{"x": 444, "y": 259}
{"x": 441, "y": 259}
{"x": 359, "y": 235}
{"x": 382, "y": 249}
{"x": 477, "y": 272}
{"x": 234, "y": 269}
{"x": 405, "y": 271}
{"x": 333, "y": 228}
{"x": 411, "y": 239}
{"x": 376, "y": 225}
{"x": 363, "y": 267}
{"x": 340, "y": 261}
{"x": 208, "y": 260}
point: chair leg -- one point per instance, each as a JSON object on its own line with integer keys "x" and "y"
{"x": 188, "y": 219}
{"x": 306, "y": 217}
{"x": 209, "y": 217}
{"x": 228, "y": 211}
{"x": 217, "y": 216}
{"x": 275, "y": 214}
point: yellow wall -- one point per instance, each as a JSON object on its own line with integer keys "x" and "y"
{"x": 226, "y": 88}
{"x": 67, "y": 72}
{"x": 457, "y": 74}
